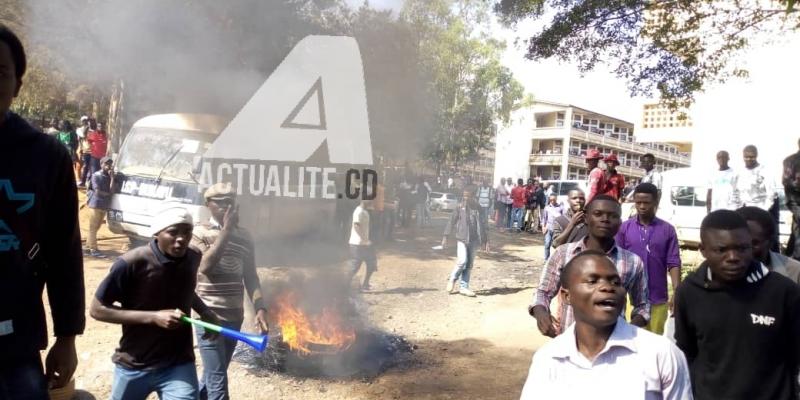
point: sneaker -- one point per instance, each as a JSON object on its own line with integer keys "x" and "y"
{"x": 96, "y": 254}
{"x": 450, "y": 285}
{"x": 466, "y": 292}
{"x": 366, "y": 287}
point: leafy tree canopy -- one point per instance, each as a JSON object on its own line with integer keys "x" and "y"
{"x": 671, "y": 47}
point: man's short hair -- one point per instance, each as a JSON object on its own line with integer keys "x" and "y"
{"x": 571, "y": 265}
{"x": 751, "y": 148}
{"x": 602, "y": 197}
{"x": 11, "y": 40}
{"x": 723, "y": 220}
{"x": 761, "y": 217}
{"x": 575, "y": 190}
{"x": 646, "y": 188}
{"x": 649, "y": 155}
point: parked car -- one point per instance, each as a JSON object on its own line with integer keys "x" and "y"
{"x": 443, "y": 201}
{"x": 561, "y": 188}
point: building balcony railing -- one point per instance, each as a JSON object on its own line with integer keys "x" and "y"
{"x": 546, "y": 159}
{"x": 622, "y": 144}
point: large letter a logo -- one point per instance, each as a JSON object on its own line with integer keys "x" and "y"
{"x": 315, "y": 95}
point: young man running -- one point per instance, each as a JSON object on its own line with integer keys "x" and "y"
{"x": 600, "y": 349}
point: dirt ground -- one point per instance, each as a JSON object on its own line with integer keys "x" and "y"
{"x": 466, "y": 348}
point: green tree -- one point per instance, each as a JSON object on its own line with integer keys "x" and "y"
{"x": 471, "y": 89}
{"x": 672, "y": 47}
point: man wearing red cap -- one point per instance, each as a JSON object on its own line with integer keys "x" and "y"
{"x": 615, "y": 182}
{"x": 597, "y": 180}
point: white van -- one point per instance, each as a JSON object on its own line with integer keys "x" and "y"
{"x": 683, "y": 204}
{"x": 155, "y": 164}
{"x": 158, "y": 162}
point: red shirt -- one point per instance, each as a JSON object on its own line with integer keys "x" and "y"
{"x": 98, "y": 141}
{"x": 596, "y": 183}
{"x": 615, "y": 184}
{"x": 518, "y": 196}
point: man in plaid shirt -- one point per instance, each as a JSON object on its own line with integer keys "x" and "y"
{"x": 603, "y": 220}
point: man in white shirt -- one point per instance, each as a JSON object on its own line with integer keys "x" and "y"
{"x": 501, "y": 195}
{"x": 648, "y": 164}
{"x": 361, "y": 249}
{"x": 509, "y": 202}
{"x": 722, "y": 186}
{"x": 600, "y": 348}
{"x": 754, "y": 185}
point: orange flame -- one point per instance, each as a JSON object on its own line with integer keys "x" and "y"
{"x": 301, "y": 331}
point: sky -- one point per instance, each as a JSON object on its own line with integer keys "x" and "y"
{"x": 377, "y": 4}
{"x": 758, "y": 110}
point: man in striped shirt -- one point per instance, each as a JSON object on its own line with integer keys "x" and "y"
{"x": 603, "y": 220}
{"x": 226, "y": 270}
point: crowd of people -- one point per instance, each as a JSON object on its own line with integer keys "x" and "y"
{"x": 736, "y": 319}
{"x": 87, "y": 147}
{"x": 205, "y": 268}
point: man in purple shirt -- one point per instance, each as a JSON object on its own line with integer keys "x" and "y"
{"x": 656, "y": 243}
{"x": 552, "y": 210}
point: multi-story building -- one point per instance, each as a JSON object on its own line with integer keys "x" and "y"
{"x": 549, "y": 140}
{"x": 477, "y": 170}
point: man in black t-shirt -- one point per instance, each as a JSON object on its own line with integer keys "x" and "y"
{"x": 154, "y": 287}
{"x": 736, "y": 321}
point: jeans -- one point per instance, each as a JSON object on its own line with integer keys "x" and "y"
{"x": 501, "y": 215}
{"x": 485, "y": 215}
{"x": 86, "y": 170}
{"x": 216, "y": 355}
{"x": 421, "y": 215}
{"x": 365, "y": 254}
{"x": 95, "y": 166}
{"x": 177, "y": 382}
{"x": 23, "y": 380}
{"x": 389, "y": 219}
{"x": 518, "y": 215}
{"x": 509, "y": 221}
{"x": 548, "y": 243}
{"x": 465, "y": 257}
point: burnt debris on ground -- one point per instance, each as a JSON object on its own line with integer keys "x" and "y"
{"x": 371, "y": 354}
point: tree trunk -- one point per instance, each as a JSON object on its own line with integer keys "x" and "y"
{"x": 116, "y": 135}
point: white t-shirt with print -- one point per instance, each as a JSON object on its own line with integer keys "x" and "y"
{"x": 723, "y": 190}
{"x": 755, "y": 187}
{"x": 360, "y": 217}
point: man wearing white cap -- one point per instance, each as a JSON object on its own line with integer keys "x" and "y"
{"x": 154, "y": 285}
{"x": 228, "y": 269}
